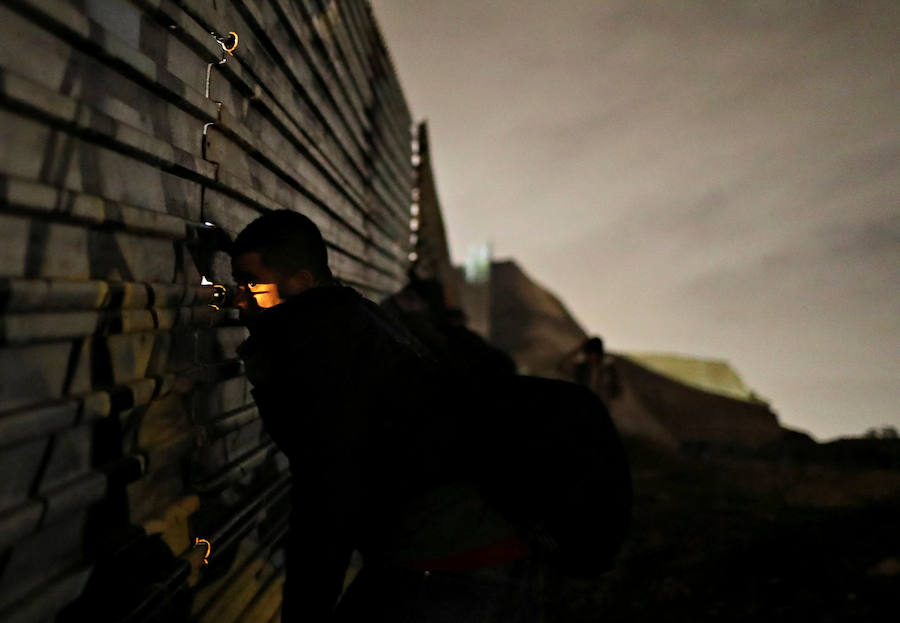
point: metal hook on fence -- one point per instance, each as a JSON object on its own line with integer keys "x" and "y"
{"x": 198, "y": 542}
{"x": 229, "y": 42}
{"x": 208, "y": 69}
{"x": 220, "y": 293}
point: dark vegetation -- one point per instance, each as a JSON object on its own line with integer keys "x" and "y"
{"x": 795, "y": 532}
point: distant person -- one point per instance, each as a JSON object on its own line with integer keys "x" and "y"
{"x": 377, "y": 448}
{"x": 588, "y": 369}
{"x": 594, "y": 370}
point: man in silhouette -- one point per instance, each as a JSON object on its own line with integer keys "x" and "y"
{"x": 421, "y": 307}
{"x": 373, "y": 430}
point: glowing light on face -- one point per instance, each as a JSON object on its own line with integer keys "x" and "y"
{"x": 256, "y": 284}
{"x": 266, "y": 294}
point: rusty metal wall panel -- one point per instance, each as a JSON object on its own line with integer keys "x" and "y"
{"x": 127, "y": 428}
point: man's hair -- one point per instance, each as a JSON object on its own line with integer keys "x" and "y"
{"x": 287, "y": 242}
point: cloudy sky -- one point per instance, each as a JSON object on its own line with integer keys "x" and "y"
{"x": 704, "y": 177}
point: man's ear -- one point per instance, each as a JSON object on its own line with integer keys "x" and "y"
{"x": 307, "y": 279}
{"x": 300, "y": 281}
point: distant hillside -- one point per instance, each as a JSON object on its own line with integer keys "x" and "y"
{"x": 529, "y": 322}
{"x": 711, "y": 375}
{"x": 671, "y": 399}
{"x": 673, "y": 409}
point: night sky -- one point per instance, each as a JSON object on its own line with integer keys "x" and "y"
{"x": 719, "y": 179}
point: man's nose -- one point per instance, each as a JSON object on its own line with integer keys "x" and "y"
{"x": 242, "y": 298}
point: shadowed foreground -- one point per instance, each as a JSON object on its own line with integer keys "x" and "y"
{"x": 751, "y": 538}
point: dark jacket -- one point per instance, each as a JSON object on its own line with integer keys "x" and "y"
{"x": 372, "y": 430}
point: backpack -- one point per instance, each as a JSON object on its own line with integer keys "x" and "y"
{"x": 549, "y": 457}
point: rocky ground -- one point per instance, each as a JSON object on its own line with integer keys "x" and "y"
{"x": 775, "y": 536}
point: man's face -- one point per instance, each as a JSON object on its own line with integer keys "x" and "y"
{"x": 257, "y": 285}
